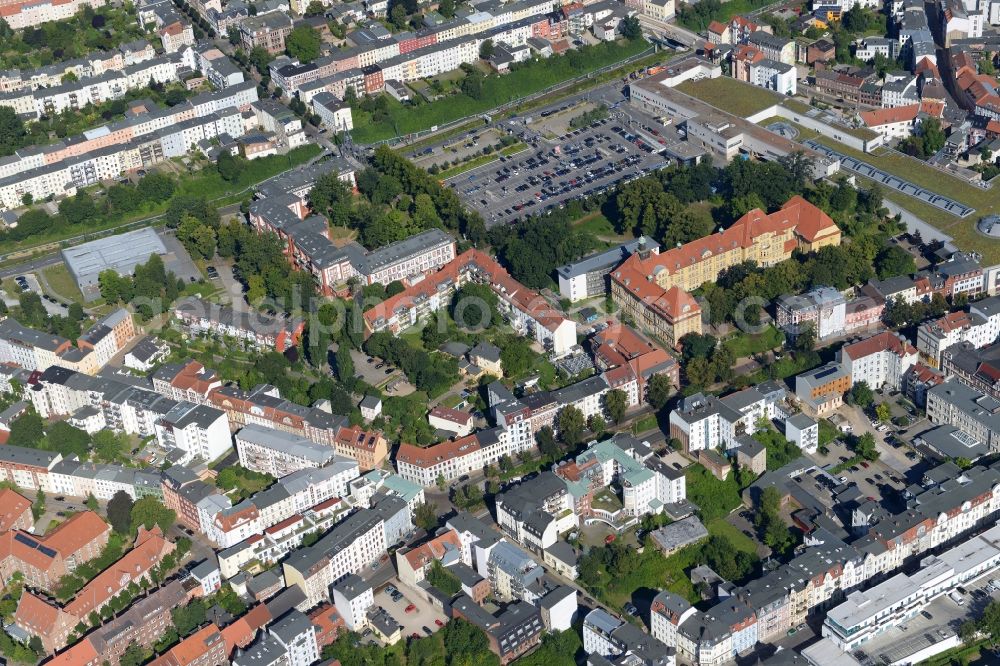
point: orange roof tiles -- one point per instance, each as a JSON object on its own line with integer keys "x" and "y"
{"x": 506, "y": 287}
{"x": 747, "y": 53}
{"x": 78, "y": 530}
{"x": 241, "y": 633}
{"x": 431, "y": 455}
{"x": 82, "y": 653}
{"x": 898, "y": 114}
{"x": 885, "y": 341}
{"x": 449, "y": 414}
{"x": 36, "y": 613}
{"x": 12, "y": 507}
{"x": 149, "y": 549}
{"x": 717, "y": 27}
{"x": 434, "y": 549}
{"x": 192, "y": 648}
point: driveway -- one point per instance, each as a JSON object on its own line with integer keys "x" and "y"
{"x": 423, "y": 615}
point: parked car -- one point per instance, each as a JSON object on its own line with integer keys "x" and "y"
{"x": 410, "y": 608}
{"x": 631, "y": 609}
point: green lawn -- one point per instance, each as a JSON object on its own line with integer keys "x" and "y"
{"x": 600, "y": 226}
{"x": 726, "y": 11}
{"x": 645, "y": 424}
{"x": 743, "y": 345}
{"x": 497, "y": 90}
{"x": 720, "y": 527}
{"x": 62, "y": 283}
{"x": 726, "y": 93}
{"x": 964, "y": 231}
{"x": 206, "y": 183}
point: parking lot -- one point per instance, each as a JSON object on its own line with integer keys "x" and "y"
{"x": 422, "y": 615}
{"x": 577, "y": 164}
{"x": 892, "y": 182}
{"x": 938, "y": 622}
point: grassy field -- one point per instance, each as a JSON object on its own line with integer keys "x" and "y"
{"x": 597, "y": 224}
{"x": 726, "y": 11}
{"x": 740, "y": 99}
{"x": 964, "y": 232}
{"x": 62, "y": 283}
{"x": 742, "y": 345}
{"x": 497, "y": 90}
{"x": 207, "y": 184}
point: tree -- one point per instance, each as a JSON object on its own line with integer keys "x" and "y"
{"x": 198, "y": 239}
{"x": 149, "y": 511}
{"x": 397, "y": 16}
{"x": 546, "y": 440}
{"x": 616, "y": 402}
{"x": 425, "y": 517}
{"x": 27, "y": 430}
{"x": 303, "y": 43}
{"x": 486, "y": 49}
{"x": 894, "y": 260}
{"x": 883, "y": 413}
{"x": 658, "y": 390}
{"x": 571, "y": 425}
{"x": 229, "y": 166}
{"x": 314, "y": 8}
{"x": 91, "y": 502}
{"x": 805, "y": 339}
{"x": 110, "y": 446}
{"x": 864, "y": 446}
{"x": 38, "y": 506}
{"x": 596, "y": 424}
{"x": 699, "y": 372}
{"x": 120, "y": 512}
{"x": 12, "y": 132}
{"x": 861, "y": 395}
{"x": 344, "y": 363}
{"x": 631, "y": 28}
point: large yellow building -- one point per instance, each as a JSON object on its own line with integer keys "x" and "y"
{"x": 653, "y": 288}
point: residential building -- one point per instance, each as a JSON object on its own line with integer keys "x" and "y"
{"x": 974, "y": 413}
{"x": 513, "y": 632}
{"x": 43, "y": 560}
{"x": 614, "y": 639}
{"x": 279, "y": 453}
{"x": 588, "y": 277}
{"x": 353, "y": 599}
{"x": 823, "y": 309}
{"x": 255, "y": 330}
{"x": 821, "y": 390}
{"x": 525, "y": 310}
{"x": 881, "y": 361}
{"x": 702, "y": 422}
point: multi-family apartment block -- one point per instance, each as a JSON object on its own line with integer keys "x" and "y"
{"x": 880, "y": 361}
{"x": 526, "y": 311}
{"x": 349, "y": 547}
{"x": 149, "y": 137}
{"x": 706, "y": 423}
{"x": 653, "y": 289}
{"x": 279, "y": 453}
{"x": 588, "y": 277}
{"x": 978, "y": 326}
{"x": 291, "y": 495}
{"x": 43, "y": 560}
{"x": 257, "y": 330}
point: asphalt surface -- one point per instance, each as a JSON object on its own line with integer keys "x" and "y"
{"x": 577, "y": 164}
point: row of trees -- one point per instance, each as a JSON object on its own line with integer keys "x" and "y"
{"x": 29, "y": 430}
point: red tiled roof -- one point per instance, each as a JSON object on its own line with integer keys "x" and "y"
{"x": 431, "y": 455}
{"x": 149, "y": 549}
{"x": 885, "y": 341}
{"x": 434, "y": 549}
{"x": 12, "y": 506}
{"x": 899, "y": 114}
{"x": 453, "y": 415}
